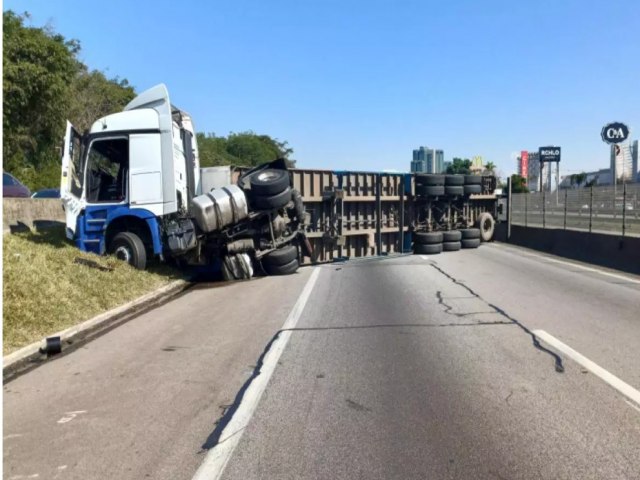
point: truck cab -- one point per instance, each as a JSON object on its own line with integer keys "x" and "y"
{"x": 132, "y": 186}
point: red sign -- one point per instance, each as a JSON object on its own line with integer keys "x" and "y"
{"x": 524, "y": 155}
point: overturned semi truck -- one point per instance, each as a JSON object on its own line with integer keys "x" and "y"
{"x": 132, "y": 186}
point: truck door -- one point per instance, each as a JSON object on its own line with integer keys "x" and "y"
{"x": 71, "y": 182}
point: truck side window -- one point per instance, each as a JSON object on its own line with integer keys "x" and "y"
{"x": 107, "y": 170}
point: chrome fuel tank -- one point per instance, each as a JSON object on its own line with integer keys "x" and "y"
{"x": 220, "y": 208}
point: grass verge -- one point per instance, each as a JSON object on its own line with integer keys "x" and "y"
{"x": 45, "y": 290}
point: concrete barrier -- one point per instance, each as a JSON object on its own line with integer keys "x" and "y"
{"x": 613, "y": 251}
{"x": 22, "y": 213}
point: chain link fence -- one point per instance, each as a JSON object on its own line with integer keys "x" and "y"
{"x": 604, "y": 209}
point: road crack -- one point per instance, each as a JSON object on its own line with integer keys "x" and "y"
{"x": 559, "y": 367}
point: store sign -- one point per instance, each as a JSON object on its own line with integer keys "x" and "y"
{"x": 615, "y": 132}
{"x": 549, "y": 154}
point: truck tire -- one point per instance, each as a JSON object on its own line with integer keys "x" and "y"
{"x": 487, "y": 226}
{"x": 429, "y": 180}
{"x": 469, "y": 189}
{"x": 473, "y": 179}
{"x": 422, "y": 249}
{"x": 470, "y": 233}
{"x": 427, "y": 238}
{"x": 274, "y": 201}
{"x": 286, "y": 269}
{"x": 128, "y": 247}
{"x": 454, "y": 180}
{"x": 451, "y": 236}
{"x": 281, "y": 256}
{"x": 451, "y": 246}
{"x": 237, "y": 267}
{"x": 454, "y": 190}
{"x": 269, "y": 182}
{"x": 430, "y": 190}
{"x": 470, "y": 242}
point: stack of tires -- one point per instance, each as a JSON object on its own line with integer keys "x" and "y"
{"x": 472, "y": 184}
{"x": 431, "y": 243}
{"x": 454, "y": 185}
{"x": 430, "y": 185}
{"x": 270, "y": 189}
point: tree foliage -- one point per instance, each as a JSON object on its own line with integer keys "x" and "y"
{"x": 44, "y": 84}
{"x": 519, "y": 184}
{"x": 459, "y": 166}
{"x": 241, "y": 149}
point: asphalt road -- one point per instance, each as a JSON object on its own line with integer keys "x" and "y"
{"x": 409, "y": 367}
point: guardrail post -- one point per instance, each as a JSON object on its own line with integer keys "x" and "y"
{"x": 624, "y": 207}
{"x": 378, "y": 214}
{"x": 401, "y": 233}
{"x": 544, "y": 208}
{"x": 565, "y": 209}
{"x": 590, "y": 206}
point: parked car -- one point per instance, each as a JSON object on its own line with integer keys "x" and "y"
{"x": 47, "y": 193}
{"x": 12, "y": 187}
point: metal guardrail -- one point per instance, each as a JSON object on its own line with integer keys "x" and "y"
{"x": 598, "y": 209}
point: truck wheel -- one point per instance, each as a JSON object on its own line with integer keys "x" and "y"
{"x": 429, "y": 179}
{"x": 469, "y": 189}
{"x": 454, "y": 180}
{"x": 468, "y": 233}
{"x": 286, "y": 269}
{"x": 473, "y": 179}
{"x": 430, "y": 190}
{"x": 128, "y": 247}
{"x": 451, "y": 246}
{"x": 451, "y": 236}
{"x": 454, "y": 190}
{"x": 237, "y": 267}
{"x": 427, "y": 238}
{"x": 470, "y": 242}
{"x": 281, "y": 256}
{"x": 486, "y": 225}
{"x": 419, "y": 248}
{"x": 274, "y": 201}
{"x": 269, "y": 182}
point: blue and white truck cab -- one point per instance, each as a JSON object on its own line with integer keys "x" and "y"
{"x": 132, "y": 186}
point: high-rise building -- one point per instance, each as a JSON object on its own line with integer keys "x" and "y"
{"x": 427, "y": 160}
{"x": 624, "y": 161}
{"x": 532, "y": 172}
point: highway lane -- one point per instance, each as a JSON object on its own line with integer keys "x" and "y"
{"x": 142, "y": 400}
{"x": 404, "y": 367}
{"x": 414, "y": 368}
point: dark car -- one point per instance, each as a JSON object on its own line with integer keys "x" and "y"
{"x": 11, "y": 187}
{"x": 47, "y": 193}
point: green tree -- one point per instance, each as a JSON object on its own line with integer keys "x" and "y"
{"x": 459, "y": 166}
{"x": 241, "y": 149}
{"x": 95, "y": 96}
{"x": 37, "y": 67}
{"x": 490, "y": 168}
{"x": 519, "y": 184}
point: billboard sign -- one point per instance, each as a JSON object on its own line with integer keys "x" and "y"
{"x": 549, "y": 154}
{"x": 524, "y": 157}
{"x": 614, "y": 132}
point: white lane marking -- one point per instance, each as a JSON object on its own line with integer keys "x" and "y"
{"x": 217, "y": 458}
{"x": 570, "y": 264}
{"x": 68, "y": 416}
{"x": 424, "y": 257}
{"x": 12, "y": 435}
{"x": 624, "y": 388}
{"x": 632, "y": 405}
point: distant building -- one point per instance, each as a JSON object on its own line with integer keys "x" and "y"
{"x": 624, "y": 161}
{"x": 427, "y": 160}
{"x": 533, "y": 170}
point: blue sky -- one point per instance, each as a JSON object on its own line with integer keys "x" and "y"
{"x": 359, "y": 84}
